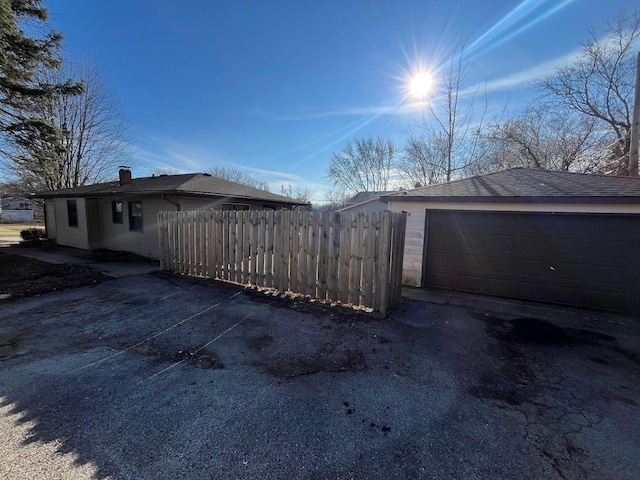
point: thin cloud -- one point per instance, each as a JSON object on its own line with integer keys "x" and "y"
{"x": 526, "y": 76}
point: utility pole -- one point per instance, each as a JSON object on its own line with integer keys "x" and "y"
{"x": 635, "y": 124}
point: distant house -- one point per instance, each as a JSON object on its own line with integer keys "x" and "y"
{"x": 18, "y": 209}
{"x": 366, "y": 202}
{"x": 122, "y": 215}
{"x": 531, "y": 234}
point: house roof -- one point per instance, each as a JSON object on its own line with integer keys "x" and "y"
{"x": 199, "y": 184}
{"x": 364, "y": 196}
{"x": 527, "y": 185}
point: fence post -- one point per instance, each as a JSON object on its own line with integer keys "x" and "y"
{"x": 384, "y": 254}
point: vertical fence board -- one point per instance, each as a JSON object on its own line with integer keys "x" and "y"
{"x": 323, "y": 254}
{"x": 357, "y": 236}
{"x": 367, "y": 260}
{"x": 286, "y": 249}
{"x": 293, "y": 266}
{"x": 269, "y": 243}
{"x": 303, "y": 252}
{"x": 334, "y": 257}
{"x": 312, "y": 271}
{"x": 344, "y": 259}
{"x": 383, "y": 258}
{"x": 262, "y": 231}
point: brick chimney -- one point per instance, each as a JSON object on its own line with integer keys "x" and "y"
{"x": 125, "y": 176}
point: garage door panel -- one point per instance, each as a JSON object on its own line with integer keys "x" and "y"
{"x": 470, "y": 283}
{"x": 532, "y": 290}
{"x": 574, "y": 295}
{"x": 586, "y": 260}
{"x": 499, "y": 286}
{"x": 501, "y": 264}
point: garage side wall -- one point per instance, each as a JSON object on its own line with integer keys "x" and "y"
{"x": 414, "y": 241}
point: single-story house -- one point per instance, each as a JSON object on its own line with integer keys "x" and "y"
{"x": 18, "y": 209}
{"x": 556, "y": 237}
{"x": 122, "y": 215}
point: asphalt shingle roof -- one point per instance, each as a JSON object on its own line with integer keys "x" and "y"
{"x": 527, "y": 184}
{"x": 362, "y": 196}
{"x": 184, "y": 184}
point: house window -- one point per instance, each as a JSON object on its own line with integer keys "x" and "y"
{"x": 235, "y": 206}
{"x": 72, "y": 213}
{"x": 116, "y": 212}
{"x": 135, "y": 216}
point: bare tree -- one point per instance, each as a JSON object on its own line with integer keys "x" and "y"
{"x": 545, "y": 138}
{"x": 234, "y": 175}
{"x": 362, "y": 166}
{"x": 335, "y": 200}
{"x": 449, "y": 138}
{"x": 599, "y": 84}
{"x": 92, "y": 139}
{"x": 423, "y": 160}
{"x": 302, "y": 194}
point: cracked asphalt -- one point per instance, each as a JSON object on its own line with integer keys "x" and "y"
{"x": 157, "y": 376}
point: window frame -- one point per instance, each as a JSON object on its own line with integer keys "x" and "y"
{"x": 72, "y": 213}
{"x": 117, "y": 217}
{"x": 233, "y": 207}
{"x": 133, "y": 222}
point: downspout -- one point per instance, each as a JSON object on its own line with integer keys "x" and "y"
{"x": 164, "y": 197}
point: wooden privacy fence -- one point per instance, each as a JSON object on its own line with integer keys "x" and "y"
{"x": 352, "y": 258}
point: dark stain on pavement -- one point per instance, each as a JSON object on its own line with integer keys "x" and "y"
{"x": 540, "y": 332}
{"x": 325, "y": 359}
{"x": 196, "y": 356}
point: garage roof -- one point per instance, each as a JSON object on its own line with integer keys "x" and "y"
{"x": 527, "y": 185}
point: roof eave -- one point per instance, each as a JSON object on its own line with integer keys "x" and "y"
{"x": 113, "y": 193}
{"x": 547, "y": 199}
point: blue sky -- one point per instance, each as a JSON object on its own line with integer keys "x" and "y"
{"x": 274, "y": 87}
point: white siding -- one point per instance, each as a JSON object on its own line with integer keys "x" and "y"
{"x": 203, "y": 203}
{"x": 50, "y": 218}
{"x": 117, "y": 236}
{"x": 413, "y": 242}
{"x": 66, "y": 235}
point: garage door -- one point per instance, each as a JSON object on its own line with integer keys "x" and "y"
{"x": 581, "y": 260}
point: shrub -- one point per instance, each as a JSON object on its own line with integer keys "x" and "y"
{"x": 33, "y": 234}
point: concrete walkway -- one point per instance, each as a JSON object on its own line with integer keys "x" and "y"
{"x": 112, "y": 269}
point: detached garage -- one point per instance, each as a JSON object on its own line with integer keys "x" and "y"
{"x": 555, "y": 237}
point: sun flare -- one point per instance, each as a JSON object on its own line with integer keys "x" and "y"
{"x": 421, "y": 85}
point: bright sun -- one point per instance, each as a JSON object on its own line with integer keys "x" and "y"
{"x": 421, "y": 85}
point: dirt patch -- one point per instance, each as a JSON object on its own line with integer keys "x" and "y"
{"x": 25, "y": 277}
{"x": 100, "y": 255}
{"x": 324, "y": 360}
{"x": 196, "y": 356}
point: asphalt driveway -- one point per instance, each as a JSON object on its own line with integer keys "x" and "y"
{"x": 154, "y": 376}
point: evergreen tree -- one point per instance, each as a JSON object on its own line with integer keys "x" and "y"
{"x": 22, "y": 56}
